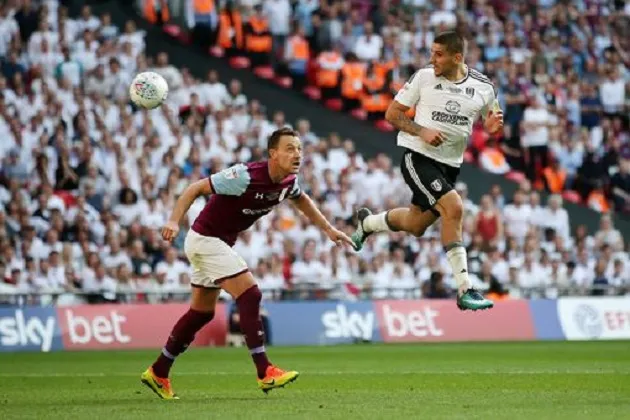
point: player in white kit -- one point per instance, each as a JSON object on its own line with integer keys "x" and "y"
{"x": 448, "y": 98}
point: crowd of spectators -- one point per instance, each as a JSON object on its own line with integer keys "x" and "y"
{"x": 86, "y": 181}
{"x": 561, "y": 70}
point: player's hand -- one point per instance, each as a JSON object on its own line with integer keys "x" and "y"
{"x": 433, "y": 137}
{"x": 339, "y": 237}
{"x": 494, "y": 122}
{"x": 170, "y": 231}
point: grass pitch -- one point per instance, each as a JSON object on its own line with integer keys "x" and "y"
{"x": 561, "y": 380}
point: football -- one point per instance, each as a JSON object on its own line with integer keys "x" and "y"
{"x": 148, "y": 90}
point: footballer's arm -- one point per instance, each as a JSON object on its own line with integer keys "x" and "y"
{"x": 304, "y": 204}
{"x": 183, "y": 203}
{"x": 396, "y": 116}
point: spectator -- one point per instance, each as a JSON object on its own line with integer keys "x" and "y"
{"x": 278, "y": 12}
{"x": 434, "y": 288}
{"x": 535, "y": 140}
{"x": 488, "y": 222}
{"x": 368, "y": 46}
{"x": 620, "y": 184}
{"x": 517, "y": 217}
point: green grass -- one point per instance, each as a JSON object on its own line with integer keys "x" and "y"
{"x": 425, "y": 381}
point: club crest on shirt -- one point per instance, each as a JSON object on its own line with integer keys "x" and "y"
{"x": 230, "y": 173}
{"x": 453, "y": 107}
{"x": 436, "y": 185}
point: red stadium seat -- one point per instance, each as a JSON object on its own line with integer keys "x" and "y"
{"x": 283, "y": 81}
{"x": 240, "y": 62}
{"x": 359, "y": 114}
{"x": 313, "y": 93}
{"x": 572, "y": 196}
{"x": 334, "y": 104}
{"x": 184, "y": 38}
{"x": 264, "y": 72}
{"x": 311, "y": 72}
{"x": 173, "y": 30}
{"x": 515, "y": 176}
{"x": 468, "y": 157}
{"x": 383, "y": 125}
{"x": 216, "y": 51}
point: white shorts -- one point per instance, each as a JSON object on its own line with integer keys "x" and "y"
{"x": 213, "y": 261}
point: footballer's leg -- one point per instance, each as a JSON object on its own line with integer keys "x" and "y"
{"x": 245, "y": 292}
{"x": 411, "y": 219}
{"x": 201, "y": 312}
{"x": 451, "y": 210}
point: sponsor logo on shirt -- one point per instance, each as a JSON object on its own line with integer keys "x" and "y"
{"x": 256, "y": 212}
{"x": 443, "y": 117}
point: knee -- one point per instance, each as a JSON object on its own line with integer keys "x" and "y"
{"x": 453, "y": 209}
{"x": 418, "y": 230}
{"x": 252, "y": 296}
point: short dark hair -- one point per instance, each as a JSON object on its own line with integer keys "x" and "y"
{"x": 274, "y": 138}
{"x": 454, "y": 42}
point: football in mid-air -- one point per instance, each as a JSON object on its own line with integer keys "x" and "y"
{"x": 148, "y": 90}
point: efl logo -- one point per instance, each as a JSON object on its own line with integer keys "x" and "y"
{"x": 102, "y": 329}
{"x": 28, "y": 329}
{"x": 595, "y": 318}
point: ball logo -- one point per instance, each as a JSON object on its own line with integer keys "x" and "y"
{"x": 588, "y": 320}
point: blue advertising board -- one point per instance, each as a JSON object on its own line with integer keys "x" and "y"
{"x": 319, "y": 323}
{"x": 29, "y": 329}
{"x": 545, "y": 316}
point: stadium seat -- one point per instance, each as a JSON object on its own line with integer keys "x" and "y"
{"x": 216, "y": 51}
{"x": 313, "y": 93}
{"x": 240, "y": 62}
{"x": 384, "y": 126}
{"x": 283, "y": 81}
{"x": 515, "y": 176}
{"x": 572, "y": 196}
{"x": 173, "y": 30}
{"x": 177, "y": 33}
{"x": 468, "y": 157}
{"x": 264, "y": 72}
{"x": 334, "y": 104}
{"x": 359, "y": 114}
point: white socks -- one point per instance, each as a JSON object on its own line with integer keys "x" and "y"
{"x": 459, "y": 264}
{"x": 376, "y": 223}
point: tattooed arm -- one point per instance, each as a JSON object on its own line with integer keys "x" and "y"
{"x": 396, "y": 116}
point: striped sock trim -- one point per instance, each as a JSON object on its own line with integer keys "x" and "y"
{"x": 257, "y": 350}
{"x": 453, "y": 245}
{"x": 167, "y": 354}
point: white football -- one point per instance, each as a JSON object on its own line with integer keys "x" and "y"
{"x": 148, "y": 90}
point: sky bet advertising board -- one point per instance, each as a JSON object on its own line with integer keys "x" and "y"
{"x": 102, "y": 327}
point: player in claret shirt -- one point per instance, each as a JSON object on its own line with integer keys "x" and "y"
{"x": 239, "y": 196}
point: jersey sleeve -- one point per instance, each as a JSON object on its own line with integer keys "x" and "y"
{"x": 409, "y": 94}
{"x": 491, "y": 103}
{"x": 231, "y": 181}
{"x": 296, "y": 191}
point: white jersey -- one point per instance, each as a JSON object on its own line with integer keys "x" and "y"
{"x": 449, "y": 107}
